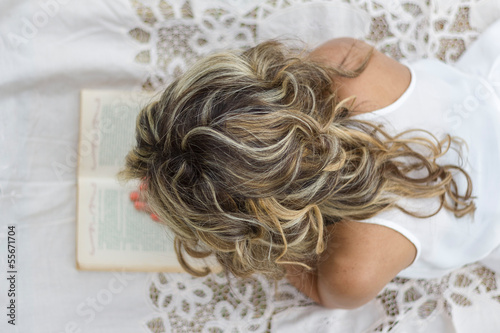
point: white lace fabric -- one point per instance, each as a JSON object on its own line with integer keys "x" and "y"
{"x": 174, "y": 34}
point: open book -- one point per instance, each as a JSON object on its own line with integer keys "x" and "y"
{"x": 111, "y": 233}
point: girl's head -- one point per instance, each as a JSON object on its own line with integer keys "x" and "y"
{"x": 247, "y": 155}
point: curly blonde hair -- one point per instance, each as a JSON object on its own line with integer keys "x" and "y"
{"x": 248, "y": 155}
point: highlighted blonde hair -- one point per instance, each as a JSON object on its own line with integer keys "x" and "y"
{"x": 248, "y": 155}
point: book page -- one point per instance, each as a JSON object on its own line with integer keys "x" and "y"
{"x": 107, "y": 130}
{"x": 112, "y": 234}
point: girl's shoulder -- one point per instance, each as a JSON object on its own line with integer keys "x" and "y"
{"x": 380, "y": 84}
{"x": 361, "y": 258}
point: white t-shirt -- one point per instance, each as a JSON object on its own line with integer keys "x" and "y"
{"x": 464, "y": 101}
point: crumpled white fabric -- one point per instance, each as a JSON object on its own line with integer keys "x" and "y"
{"x": 49, "y": 51}
{"x": 330, "y": 19}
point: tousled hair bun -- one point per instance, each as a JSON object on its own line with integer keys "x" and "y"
{"x": 248, "y": 154}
